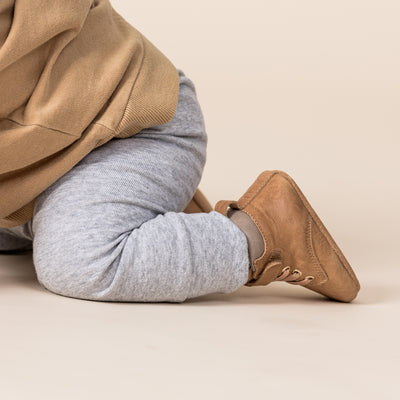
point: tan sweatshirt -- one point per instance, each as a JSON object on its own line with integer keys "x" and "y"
{"x": 73, "y": 75}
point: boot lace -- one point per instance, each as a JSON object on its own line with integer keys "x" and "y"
{"x": 286, "y": 276}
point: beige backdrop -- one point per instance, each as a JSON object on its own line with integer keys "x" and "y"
{"x": 310, "y": 87}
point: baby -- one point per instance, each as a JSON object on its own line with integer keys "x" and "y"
{"x": 102, "y": 147}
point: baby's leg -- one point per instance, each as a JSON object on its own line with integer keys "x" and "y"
{"x": 113, "y": 229}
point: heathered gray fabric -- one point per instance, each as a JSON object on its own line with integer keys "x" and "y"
{"x": 112, "y": 228}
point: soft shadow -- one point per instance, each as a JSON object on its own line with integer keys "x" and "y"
{"x": 268, "y": 295}
{"x": 373, "y": 294}
{"x": 17, "y": 270}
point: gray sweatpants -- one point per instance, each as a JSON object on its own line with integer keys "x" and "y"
{"x": 112, "y": 228}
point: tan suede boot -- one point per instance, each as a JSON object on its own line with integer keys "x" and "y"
{"x": 287, "y": 240}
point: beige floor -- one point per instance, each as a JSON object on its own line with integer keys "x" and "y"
{"x": 276, "y": 342}
{"x": 310, "y": 87}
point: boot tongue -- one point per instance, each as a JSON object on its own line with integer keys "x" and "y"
{"x": 254, "y": 238}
